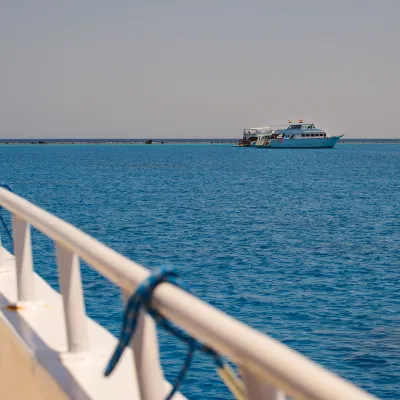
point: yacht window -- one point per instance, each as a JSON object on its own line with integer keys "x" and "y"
{"x": 302, "y": 135}
{"x": 295, "y": 127}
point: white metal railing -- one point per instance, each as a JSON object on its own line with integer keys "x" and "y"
{"x": 269, "y": 368}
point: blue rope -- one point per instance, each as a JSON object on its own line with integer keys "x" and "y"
{"x": 3, "y": 185}
{"x": 142, "y": 298}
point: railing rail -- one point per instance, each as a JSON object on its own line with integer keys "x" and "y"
{"x": 268, "y": 366}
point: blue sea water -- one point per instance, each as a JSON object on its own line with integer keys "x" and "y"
{"x": 303, "y": 245}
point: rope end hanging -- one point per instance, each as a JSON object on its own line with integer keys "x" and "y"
{"x": 142, "y": 299}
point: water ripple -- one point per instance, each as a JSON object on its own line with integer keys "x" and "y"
{"x": 303, "y": 245}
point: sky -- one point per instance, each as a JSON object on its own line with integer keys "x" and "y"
{"x": 197, "y": 69}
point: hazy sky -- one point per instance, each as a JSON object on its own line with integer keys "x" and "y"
{"x": 158, "y": 69}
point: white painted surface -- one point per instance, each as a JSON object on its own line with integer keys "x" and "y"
{"x": 20, "y": 376}
{"x": 146, "y": 357}
{"x": 42, "y": 332}
{"x": 34, "y": 358}
{"x": 69, "y": 274}
{"x": 23, "y": 256}
{"x": 266, "y": 362}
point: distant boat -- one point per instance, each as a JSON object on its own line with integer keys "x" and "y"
{"x": 249, "y": 137}
{"x": 293, "y": 135}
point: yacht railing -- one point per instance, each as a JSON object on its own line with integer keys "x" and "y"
{"x": 265, "y": 129}
{"x": 269, "y": 369}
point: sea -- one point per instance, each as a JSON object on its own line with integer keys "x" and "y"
{"x": 303, "y": 245}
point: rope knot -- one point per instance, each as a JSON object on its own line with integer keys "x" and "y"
{"x": 142, "y": 299}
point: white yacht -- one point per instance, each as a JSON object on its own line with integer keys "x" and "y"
{"x": 295, "y": 135}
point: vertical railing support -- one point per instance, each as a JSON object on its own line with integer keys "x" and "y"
{"x": 69, "y": 274}
{"x": 23, "y": 260}
{"x": 257, "y": 388}
{"x": 144, "y": 345}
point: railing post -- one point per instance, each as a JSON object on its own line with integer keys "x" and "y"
{"x": 144, "y": 345}
{"x": 23, "y": 260}
{"x": 69, "y": 275}
{"x": 257, "y": 388}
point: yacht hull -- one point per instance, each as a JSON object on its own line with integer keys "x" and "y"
{"x": 314, "y": 143}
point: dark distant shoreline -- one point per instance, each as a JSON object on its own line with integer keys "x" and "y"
{"x": 165, "y": 141}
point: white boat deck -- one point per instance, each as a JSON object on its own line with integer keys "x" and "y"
{"x": 42, "y": 331}
{"x": 49, "y": 349}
